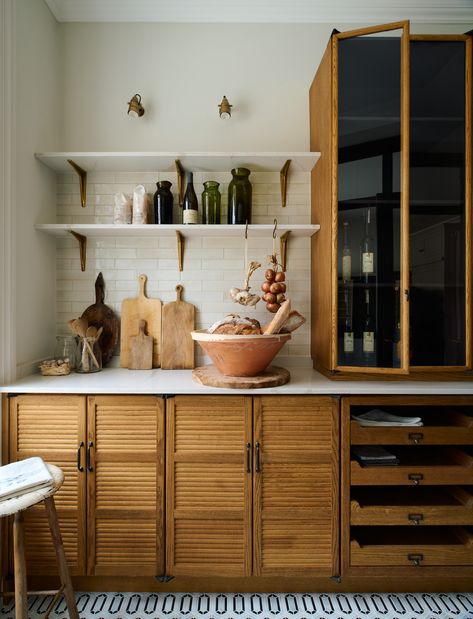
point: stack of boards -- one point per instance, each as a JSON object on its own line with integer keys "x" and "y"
{"x": 153, "y": 335}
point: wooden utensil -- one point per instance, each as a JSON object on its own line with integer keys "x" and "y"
{"x": 134, "y": 310}
{"x": 100, "y": 315}
{"x": 141, "y": 349}
{"x": 279, "y": 318}
{"x": 177, "y": 352}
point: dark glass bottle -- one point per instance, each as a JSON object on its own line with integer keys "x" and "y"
{"x": 369, "y": 335}
{"x": 163, "y": 202}
{"x": 211, "y": 203}
{"x": 190, "y": 207}
{"x": 239, "y": 197}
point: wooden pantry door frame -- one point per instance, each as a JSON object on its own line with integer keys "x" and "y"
{"x": 404, "y": 240}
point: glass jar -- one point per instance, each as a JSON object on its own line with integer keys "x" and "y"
{"x": 211, "y": 203}
{"x": 66, "y": 348}
{"x": 163, "y": 202}
{"x": 239, "y": 197}
{"x": 89, "y": 355}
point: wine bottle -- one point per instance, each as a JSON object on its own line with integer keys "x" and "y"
{"x": 368, "y": 332}
{"x": 189, "y": 204}
{"x": 367, "y": 248}
{"x": 348, "y": 337}
{"x": 397, "y": 325}
{"x": 346, "y": 255}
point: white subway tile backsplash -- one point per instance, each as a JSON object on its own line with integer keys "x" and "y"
{"x": 212, "y": 265}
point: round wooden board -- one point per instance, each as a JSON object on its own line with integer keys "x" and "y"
{"x": 209, "y": 375}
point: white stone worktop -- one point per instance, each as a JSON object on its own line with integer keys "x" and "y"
{"x": 303, "y": 381}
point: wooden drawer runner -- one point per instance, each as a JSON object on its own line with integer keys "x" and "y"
{"x": 417, "y": 467}
{"x": 404, "y": 546}
{"x": 428, "y": 505}
{"x": 449, "y": 428}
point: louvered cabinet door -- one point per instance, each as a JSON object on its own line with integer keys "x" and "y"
{"x": 295, "y": 486}
{"x": 208, "y": 486}
{"x": 53, "y": 427}
{"x": 125, "y": 443}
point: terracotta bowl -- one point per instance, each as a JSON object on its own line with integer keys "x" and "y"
{"x": 240, "y": 355}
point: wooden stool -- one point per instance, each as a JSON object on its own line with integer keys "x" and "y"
{"x": 15, "y": 506}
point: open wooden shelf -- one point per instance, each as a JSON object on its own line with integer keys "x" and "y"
{"x": 165, "y": 161}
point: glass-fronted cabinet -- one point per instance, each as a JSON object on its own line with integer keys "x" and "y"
{"x": 390, "y": 113}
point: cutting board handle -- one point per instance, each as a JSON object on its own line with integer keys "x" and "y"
{"x": 142, "y": 327}
{"x": 142, "y": 279}
{"x": 179, "y": 290}
{"x": 99, "y": 289}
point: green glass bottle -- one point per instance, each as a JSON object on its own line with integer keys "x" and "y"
{"x": 211, "y": 203}
{"x": 239, "y": 197}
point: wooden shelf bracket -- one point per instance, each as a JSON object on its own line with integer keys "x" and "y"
{"x": 180, "y": 250}
{"x": 82, "y": 181}
{"x": 283, "y": 180}
{"x": 283, "y": 249}
{"x": 82, "y": 248}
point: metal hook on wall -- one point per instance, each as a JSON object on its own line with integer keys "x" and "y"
{"x": 246, "y": 229}
{"x": 275, "y": 228}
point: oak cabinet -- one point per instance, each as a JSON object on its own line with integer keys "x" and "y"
{"x": 392, "y": 263}
{"x": 252, "y": 486}
{"x": 418, "y": 514}
{"x": 110, "y": 508}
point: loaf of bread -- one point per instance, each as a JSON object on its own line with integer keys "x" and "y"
{"x": 234, "y": 325}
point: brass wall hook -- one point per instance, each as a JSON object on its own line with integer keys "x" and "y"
{"x": 275, "y": 228}
{"x": 246, "y": 229}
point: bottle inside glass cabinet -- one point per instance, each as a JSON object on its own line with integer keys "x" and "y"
{"x": 367, "y": 248}
{"x": 368, "y": 337}
{"x": 346, "y": 254}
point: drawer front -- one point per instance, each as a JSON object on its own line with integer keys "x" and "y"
{"x": 409, "y": 555}
{"x": 415, "y": 515}
{"x": 410, "y": 475}
{"x": 438, "y": 435}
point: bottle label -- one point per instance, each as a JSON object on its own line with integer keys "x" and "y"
{"x": 367, "y": 262}
{"x": 346, "y": 268}
{"x": 190, "y": 216}
{"x": 348, "y": 343}
{"x": 368, "y": 341}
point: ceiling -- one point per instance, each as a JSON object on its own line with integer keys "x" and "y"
{"x": 263, "y": 11}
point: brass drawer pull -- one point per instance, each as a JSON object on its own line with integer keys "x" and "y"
{"x": 416, "y": 478}
{"x": 416, "y": 437}
{"x": 248, "y": 457}
{"x": 415, "y": 559}
{"x": 415, "y": 518}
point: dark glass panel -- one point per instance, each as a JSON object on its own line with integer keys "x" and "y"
{"x": 437, "y": 203}
{"x": 369, "y": 129}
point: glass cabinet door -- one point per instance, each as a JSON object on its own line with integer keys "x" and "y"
{"x": 372, "y": 161}
{"x": 439, "y": 213}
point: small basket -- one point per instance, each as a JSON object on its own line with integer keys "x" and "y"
{"x": 55, "y": 370}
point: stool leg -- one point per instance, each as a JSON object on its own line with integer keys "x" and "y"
{"x": 61, "y": 558}
{"x": 21, "y": 600}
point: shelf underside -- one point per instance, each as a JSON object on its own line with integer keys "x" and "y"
{"x": 165, "y": 162}
{"x": 149, "y": 230}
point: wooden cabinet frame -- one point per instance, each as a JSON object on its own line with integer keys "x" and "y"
{"x": 345, "y": 515}
{"x": 324, "y": 137}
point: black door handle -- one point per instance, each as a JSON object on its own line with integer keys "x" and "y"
{"x": 258, "y": 458}
{"x": 79, "y": 453}
{"x": 89, "y": 467}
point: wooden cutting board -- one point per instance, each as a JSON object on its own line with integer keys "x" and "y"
{"x": 141, "y": 350}
{"x": 177, "y": 352}
{"x": 271, "y": 377}
{"x": 100, "y": 315}
{"x": 134, "y": 310}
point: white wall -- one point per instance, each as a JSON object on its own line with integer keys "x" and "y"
{"x": 38, "y": 121}
{"x": 182, "y": 71}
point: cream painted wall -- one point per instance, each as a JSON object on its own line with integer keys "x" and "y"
{"x": 38, "y": 110}
{"x": 182, "y": 71}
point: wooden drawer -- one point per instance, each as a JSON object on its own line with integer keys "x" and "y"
{"x": 404, "y": 546}
{"x": 428, "y": 505}
{"x": 451, "y": 427}
{"x": 418, "y": 466}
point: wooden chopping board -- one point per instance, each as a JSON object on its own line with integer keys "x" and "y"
{"x": 134, "y": 310}
{"x": 141, "y": 350}
{"x": 271, "y": 377}
{"x": 177, "y": 352}
{"x": 100, "y": 315}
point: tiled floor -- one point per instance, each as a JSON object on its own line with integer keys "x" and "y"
{"x": 258, "y": 606}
